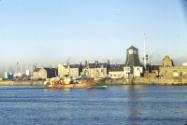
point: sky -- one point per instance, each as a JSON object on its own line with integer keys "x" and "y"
{"x": 48, "y": 32}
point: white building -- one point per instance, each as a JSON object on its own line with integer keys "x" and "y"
{"x": 136, "y": 71}
{"x": 184, "y": 64}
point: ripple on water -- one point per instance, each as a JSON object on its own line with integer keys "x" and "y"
{"x": 145, "y": 105}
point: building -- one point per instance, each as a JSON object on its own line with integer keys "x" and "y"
{"x": 153, "y": 71}
{"x": 62, "y": 70}
{"x": 44, "y": 73}
{"x": 116, "y": 71}
{"x": 167, "y": 62}
{"x": 27, "y": 72}
{"x": 173, "y": 72}
{"x": 73, "y": 70}
{"x": 95, "y": 70}
{"x": 184, "y": 64}
{"x": 133, "y": 67}
{"x": 8, "y": 76}
{"x": 169, "y": 71}
{"x": 17, "y": 76}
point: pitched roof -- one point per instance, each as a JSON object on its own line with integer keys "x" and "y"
{"x": 75, "y": 66}
{"x": 132, "y": 47}
{"x": 37, "y": 70}
{"x": 50, "y": 69}
{"x": 117, "y": 67}
{"x": 98, "y": 65}
{"x": 47, "y": 69}
{"x": 155, "y": 67}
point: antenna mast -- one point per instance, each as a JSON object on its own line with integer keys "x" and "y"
{"x": 145, "y": 52}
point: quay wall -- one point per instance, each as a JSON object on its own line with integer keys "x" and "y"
{"x": 135, "y": 81}
{"x": 21, "y": 83}
{"x": 146, "y": 81}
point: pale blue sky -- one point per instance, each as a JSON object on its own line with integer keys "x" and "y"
{"x": 50, "y": 31}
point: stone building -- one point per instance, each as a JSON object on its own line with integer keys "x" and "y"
{"x": 169, "y": 71}
{"x": 95, "y": 70}
{"x": 44, "y": 73}
{"x": 167, "y": 62}
{"x": 133, "y": 67}
{"x": 116, "y": 71}
{"x": 62, "y": 70}
{"x": 173, "y": 72}
{"x": 74, "y": 70}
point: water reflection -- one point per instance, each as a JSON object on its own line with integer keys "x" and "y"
{"x": 134, "y": 87}
{"x": 64, "y": 90}
{"x": 134, "y": 112}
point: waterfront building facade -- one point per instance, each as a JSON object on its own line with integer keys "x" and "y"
{"x": 95, "y": 70}
{"x": 61, "y": 70}
{"x": 44, "y": 73}
{"x": 175, "y": 72}
{"x": 184, "y": 64}
{"x": 116, "y": 71}
{"x": 169, "y": 71}
{"x": 74, "y": 70}
{"x": 8, "y": 76}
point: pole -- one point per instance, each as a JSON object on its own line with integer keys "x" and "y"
{"x": 145, "y": 52}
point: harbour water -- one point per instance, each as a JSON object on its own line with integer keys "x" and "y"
{"x": 116, "y": 105}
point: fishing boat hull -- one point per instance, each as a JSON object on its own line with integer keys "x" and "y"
{"x": 59, "y": 85}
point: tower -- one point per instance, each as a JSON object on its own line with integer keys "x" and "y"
{"x": 133, "y": 67}
{"x": 132, "y": 57}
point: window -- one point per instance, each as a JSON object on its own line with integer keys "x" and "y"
{"x": 131, "y": 51}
